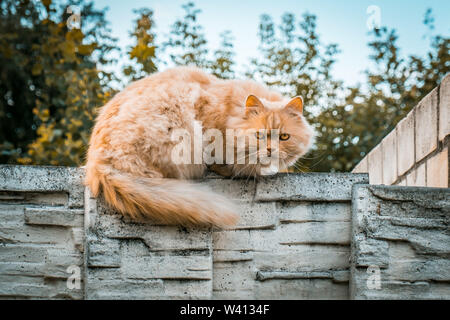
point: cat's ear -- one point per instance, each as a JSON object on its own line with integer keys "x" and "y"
{"x": 296, "y": 104}
{"x": 253, "y": 104}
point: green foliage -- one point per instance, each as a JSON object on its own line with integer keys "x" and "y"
{"x": 354, "y": 127}
{"x": 349, "y": 121}
{"x": 142, "y": 54}
{"x": 53, "y": 78}
{"x": 59, "y": 83}
{"x": 222, "y": 65}
{"x": 187, "y": 44}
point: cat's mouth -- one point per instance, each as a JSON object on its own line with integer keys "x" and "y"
{"x": 269, "y": 170}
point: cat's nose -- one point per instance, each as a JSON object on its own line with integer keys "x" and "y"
{"x": 269, "y": 152}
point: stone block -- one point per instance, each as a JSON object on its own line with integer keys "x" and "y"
{"x": 313, "y": 233}
{"x": 362, "y": 166}
{"x": 138, "y": 263}
{"x": 44, "y": 179}
{"x": 403, "y": 233}
{"x": 10, "y": 252}
{"x": 256, "y": 215}
{"x": 426, "y": 125}
{"x": 104, "y": 253}
{"x": 118, "y": 289}
{"x": 314, "y": 212}
{"x": 186, "y": 289}
{"x": 157, "y": 238}
{"x": 304, "y": 258}
{"x": 405, "y": 143}
{"x": 444, "y": 108}
{"x": 305, "y": 289}
{"x": 417, "y": 177}
{"x": 375, "y": 158}
{"x": 437, "y": 170}
{"x": 390, "y": 158}
{"x": 303, "y": 187}
{"x": 51, "y": 216}
{"x": 234, "y": 189}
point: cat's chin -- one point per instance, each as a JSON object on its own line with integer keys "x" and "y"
{"x": 269, "y": 170}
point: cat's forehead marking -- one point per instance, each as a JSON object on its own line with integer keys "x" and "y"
{"x": 273, "y": 121}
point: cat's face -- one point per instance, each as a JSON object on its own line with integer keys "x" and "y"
{"x": 276, "y": 132}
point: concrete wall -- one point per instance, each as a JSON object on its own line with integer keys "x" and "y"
{"x": 41, "y": 231}
{"x": 416, "y": 152}
{"x": 294, "y": 240}
{"x": 400, "y": 243}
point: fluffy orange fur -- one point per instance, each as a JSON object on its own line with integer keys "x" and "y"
{"x": 129, "y": 157}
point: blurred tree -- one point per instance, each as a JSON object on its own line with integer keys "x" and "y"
{"x": 142, "y": 54}
{"x": 18, "y": 76}
{"x": 51, "y": 79}
{"x": 222, "y": 65}
{"x": 187, "y": 44}
{"x": 394, "y": 86}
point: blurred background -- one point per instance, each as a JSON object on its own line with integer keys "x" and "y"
{"x": 360, "y": 66}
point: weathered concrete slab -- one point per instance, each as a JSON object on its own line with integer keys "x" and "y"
{"x": 292, "y": 242}
{"x": 308, "y": 187}
{"x": 44, "y": 179}
{"x": 426, "y": 125}
{"x": 305, "y": 247}
{"x": 400, "y": 243}
{"x": 41, "y": 216}
{"x": 129, "y": 260}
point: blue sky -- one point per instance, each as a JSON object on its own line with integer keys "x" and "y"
{"x": 340, "y": 21}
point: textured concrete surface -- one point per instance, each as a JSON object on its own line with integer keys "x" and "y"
{"x": 426, "y": 125}
{"x": 308, "y": 187}
{"x": 362, "y": 166}
{"x": 41, "y": 231}
{"x": 375, "y": 158}
{"x": 390, "y": 158}
{"x": 444, "y": 108}
{"x": 417, "y": 177}
{"x": 400, "y": 238}
{"x": 437, "y": 170}
{"x": 127, "y": 260}
{"x": 293, "y": 241}
{"x": 301, "y": 252}
{"x": 405, "y": 144}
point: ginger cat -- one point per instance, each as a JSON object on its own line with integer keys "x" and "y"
{"x": 130, "y": 157}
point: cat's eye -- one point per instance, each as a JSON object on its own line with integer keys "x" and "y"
{"x": 259, "y": 135}
{"x": 284, "y": 136}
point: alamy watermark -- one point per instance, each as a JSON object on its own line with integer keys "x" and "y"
{"x": 374, "y": 19}
{"x": 74, "y": 21}
{"x": 74, "y": 280}
{"x": 249, "y": 146}
{"x": 374, "y": 279}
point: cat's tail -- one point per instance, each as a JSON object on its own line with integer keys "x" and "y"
{"x": 166, "y": 201}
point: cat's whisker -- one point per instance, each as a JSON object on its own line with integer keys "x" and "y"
{"x": 236, "y": 175}
{"x": 298, "y": 168}
{"x": 311, "y": 158}
{"x": 246, "y": 157}
{"x": 317, "y": 163}
{"x": 251, "y": 173}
